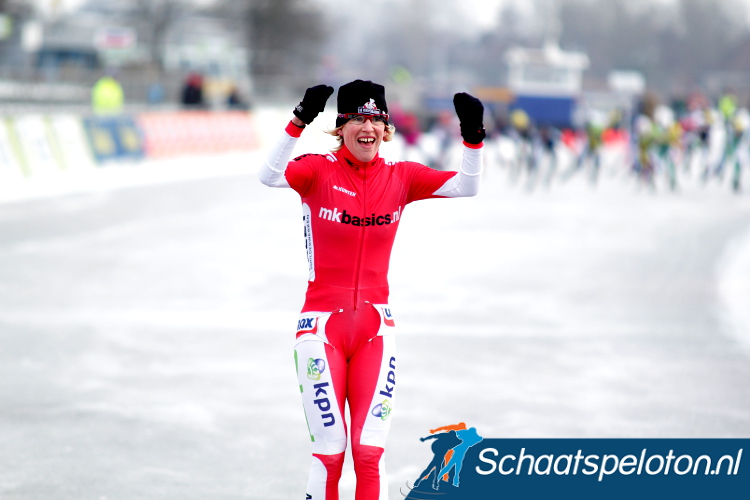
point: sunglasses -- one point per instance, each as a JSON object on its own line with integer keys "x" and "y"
{"x": 360, "y": 119}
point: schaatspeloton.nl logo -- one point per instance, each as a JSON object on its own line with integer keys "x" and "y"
{"x": 466, "y": 465}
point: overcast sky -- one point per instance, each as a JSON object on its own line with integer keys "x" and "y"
{"x": 483, "y": 12}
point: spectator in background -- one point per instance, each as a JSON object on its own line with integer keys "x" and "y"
{"x": 155, "y": 94}
{"x": 445, "y": 130}
{"x": 107, "y": 96}
{"x": 408, "y": 127}
{"x": 192, "y": 91}
{"x": 234, "y": 100}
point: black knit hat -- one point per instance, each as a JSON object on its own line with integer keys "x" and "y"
{"x": 362, "y": 98}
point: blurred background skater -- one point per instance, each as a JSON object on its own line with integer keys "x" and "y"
{"x": 727, "y": 108}
{"x": 590, "y": 156}
{"x": 521, "y": 134}
{"x": 444, "y": 132}
{"x": 643, "y": 163}
{"x": 713, "y": 138}
{"x": 549, "y": 139}
{"x": 736, "y": 151}
{"x": 696, "y": 129}
{"x": 667, "y": 141}
{"x": 500, "y": 149}
{"x": 409, "y": 129}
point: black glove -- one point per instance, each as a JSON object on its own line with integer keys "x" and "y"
{"x": 313, "y": 103}
{"x": 470, "y": 113}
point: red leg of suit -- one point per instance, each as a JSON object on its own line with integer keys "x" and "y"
{"x": 347, "y": 358}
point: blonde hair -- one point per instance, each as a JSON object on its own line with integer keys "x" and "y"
{"x": 390, "y": 130}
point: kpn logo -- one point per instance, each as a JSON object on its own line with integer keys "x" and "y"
{"x": 315, "y": 367}
{"x": 383, "y": 410}
{"x": 450, "y": 444}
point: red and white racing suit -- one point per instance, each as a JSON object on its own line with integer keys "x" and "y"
{"x": 345, "y": 349}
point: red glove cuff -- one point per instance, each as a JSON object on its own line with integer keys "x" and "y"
{"x": 473, "y": 146}
{"x": 294, "y": 130}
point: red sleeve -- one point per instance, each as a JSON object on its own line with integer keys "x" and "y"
{"x": 300, "y": 174}
{"x": 422, "y": 181}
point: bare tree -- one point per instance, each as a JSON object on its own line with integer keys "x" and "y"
{"x": 673, "y": 48}
{"x": 285, "y": 38}
{"x": 17, "y": 11}
{"x": 16, "y": 7}
{"x": 157, "y": 17}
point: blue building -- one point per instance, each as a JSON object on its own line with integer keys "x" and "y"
{"x": 546, "y": 83}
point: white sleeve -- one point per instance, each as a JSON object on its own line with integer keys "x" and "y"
{"x": 272, "y": 171}
{"x": 466, "y": 182}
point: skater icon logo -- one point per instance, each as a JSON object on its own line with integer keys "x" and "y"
{"x": 443, "y": 473}
{"x": 315, "y": 367}
{"x": 383, "y": 410}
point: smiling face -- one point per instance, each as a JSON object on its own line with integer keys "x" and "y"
{"x": 363, "y": 139}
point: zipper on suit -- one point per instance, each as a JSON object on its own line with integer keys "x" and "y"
{"x": 358, "y": 268}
